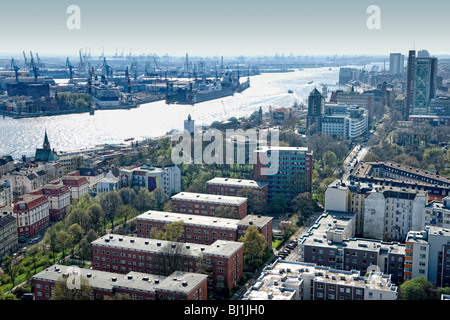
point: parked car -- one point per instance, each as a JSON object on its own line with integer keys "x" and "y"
{"x": 22, "y": 239}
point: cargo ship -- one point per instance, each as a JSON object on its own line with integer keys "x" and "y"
{"x": 191, "y": 92}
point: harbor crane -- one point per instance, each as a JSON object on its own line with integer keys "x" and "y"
{"x": 25, "y": 60}
{"x": 16, "y": 69}
{"x": 70, "y": 70}
{"x": 34, "y": 68}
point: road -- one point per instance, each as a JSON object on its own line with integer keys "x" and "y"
{"x": 356, "y": 155}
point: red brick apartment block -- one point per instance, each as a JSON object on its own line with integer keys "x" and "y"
{"x": 205, "y": 204}
{"x": 123, "y": 254}
{"x": 139, "y": 286}
{"x": 231, "y": 187}
{"x": 203, "y": 230}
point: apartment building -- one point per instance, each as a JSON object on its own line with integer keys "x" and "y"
{"x": 78, "y": 186}
{"x": 348, "y": 196}
{"x": 137, "y": 285}
{"x": 402, "y": 176}
{"x": 330, "y": 242}
{"x": 206, "y": 204}
{"x": 231, "y": 187}
{"x": 6, "y": 194}
{"x": 287, "y": 170}
{"x": 428, "y": 255}
{"x": 390, "y": 213}
{"x": 8, "y": 235}
{"x": 58, "y": 197}
{"x": 306, "y": 281}
{"x": 150, "y": 177}
{"x": 203, "y": 229}
{"x": 223, "y": 260}
{"x": 32, "y": 214}
{"x": 437, "y": 213}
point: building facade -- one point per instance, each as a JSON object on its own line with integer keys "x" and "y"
{"x": 390, "y": 213}
{"x": 206, "y": 204}
{"x": 8, "y": 235}
{"x": 287, "y": 170}
{"x": 203, "y": 229}
{"x": 231, "y": 187}
{"x": 58, "y": 197}
{"x": 428, "y": 255}
{"x": 32, "y": 215}
{"x": 306, "y": 281}
{"x": 222, "y": 260}
{"x": 136, "y": 285}
{"x": 149, "y": 177}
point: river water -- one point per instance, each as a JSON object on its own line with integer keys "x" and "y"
{"x": 77, "y": 131}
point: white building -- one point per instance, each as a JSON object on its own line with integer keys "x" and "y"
{"x": 150, "y": 178}
{"x": 348, "y": 121}
{"x": 306, "y": 281}
{"x": 390, "y": 213}
{"x": 6, "y": 194}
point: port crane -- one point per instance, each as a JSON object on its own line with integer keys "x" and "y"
{"x": 16, "y": 69}
{"x": 34, "y": 68}
{"x": 25, "y": 60}
{"x": 70, "y": 70}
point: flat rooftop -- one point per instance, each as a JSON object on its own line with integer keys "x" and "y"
{"x": 337, "y": 222}
{"x": 219, "y": 248}
{"x": 416, "y": 174}
{"x": 209, "y": 198}
{"x": 189, "y": 219}
{"x": 278, "y": 280}
{"x": 237, "y": 183}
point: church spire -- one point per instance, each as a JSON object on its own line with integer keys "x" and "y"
{"x": 46, "y": 144}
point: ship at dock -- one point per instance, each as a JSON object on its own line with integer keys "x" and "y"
{"x": 205, "y": 89}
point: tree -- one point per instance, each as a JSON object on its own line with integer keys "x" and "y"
{"x": 64, "y": 241}
{"x": 417, "y": 289}
{"x": 84, "y": 250}
{"x": 304, "y": 204}
{"x": 160, "y": 198}
{"x": 64, "y": 291}
{"x": 110, "y": 201}
{"x": 12, "y": 267}
{"x": 256, "y": 201}
{"x": 80, "y": 217}
{"x": 127, "y": 195}
{"x": 126, "y": 211}
{"x": 254, "y": 247}
{"x": 278, "y": 204}
{"x": 76, "y": 233}
{"x": 174, "y": 231}
{"x": 97, "y": 214}
{"x": 168, "y": 206}
{"x": 33, "y": 253}
{"x": 226, "y": 212}
{"x": 172, "y": 257}
{"x": 51, "y": 239}
{"x": 144, "y": 200}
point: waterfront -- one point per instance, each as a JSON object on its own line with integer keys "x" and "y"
{"x": 77, "y": 131}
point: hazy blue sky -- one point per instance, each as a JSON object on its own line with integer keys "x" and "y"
{"x": 227, "y": 27}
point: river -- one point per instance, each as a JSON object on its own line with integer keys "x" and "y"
{"x": 77, "y": 131}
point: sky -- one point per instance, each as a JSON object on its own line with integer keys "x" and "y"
{"x": 226, "y": 27}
